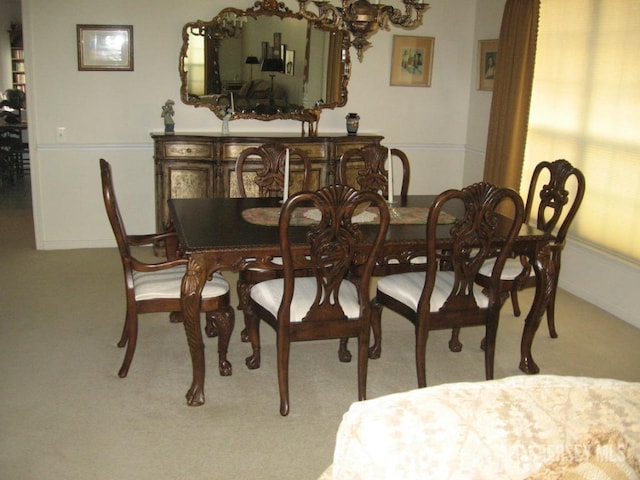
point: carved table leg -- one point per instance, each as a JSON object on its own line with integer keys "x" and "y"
{"x": 244, "y": 291}
{"x": 192, "y": 284}
{"x": 224, "y": 321}
{"x": 551, "y": 307}
{"x": 543, "y": 267}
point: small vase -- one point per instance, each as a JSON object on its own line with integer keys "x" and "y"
{"x": 353, "y": 121}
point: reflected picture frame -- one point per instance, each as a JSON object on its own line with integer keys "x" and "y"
{"x": 487, "y": 60}
{"x": 290, "y": 63}
{"x": 105, "y": 47}
{"x": 411, "y": 61}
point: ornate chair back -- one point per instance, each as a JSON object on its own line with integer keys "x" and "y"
{"x": 268, "y": 176}
{"x": 553, "y": 197}
{"x": 364, "y": 169}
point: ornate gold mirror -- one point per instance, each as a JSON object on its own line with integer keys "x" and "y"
{"x": 265, "y": 63}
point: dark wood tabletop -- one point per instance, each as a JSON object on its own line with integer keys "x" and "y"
{"x": 218, "y": 224}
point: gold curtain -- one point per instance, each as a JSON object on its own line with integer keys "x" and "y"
{"x": 512, "y": 93}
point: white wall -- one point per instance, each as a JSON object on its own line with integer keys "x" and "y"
{"x": 110, "y": 114}
{"x": 487, "y": 26}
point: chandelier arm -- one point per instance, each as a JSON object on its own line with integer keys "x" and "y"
{"x": 362, "y": 18}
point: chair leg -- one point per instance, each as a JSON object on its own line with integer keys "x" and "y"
{"x": 422, "y": 334}
{"x": 455, "y": 345}
{"x": 224, "y": 321}
{"x": 132, "y": 339}
{"x": 284, "y": 348}
{"x": 551, "y": 320}
{"x": 514, "y": 301}
{"x": 376, "y": 326}
{"x": 252, "y": 323}
{"x": 363, "y": 363}
{"x": 490, "y": 347}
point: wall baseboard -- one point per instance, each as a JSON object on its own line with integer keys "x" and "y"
{"x": 605, "y": 281}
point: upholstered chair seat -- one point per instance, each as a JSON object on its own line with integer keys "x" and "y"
{"x": 407, "y": 288}
{"x": 269, "y": 295}
{"x": 166, "y": 284}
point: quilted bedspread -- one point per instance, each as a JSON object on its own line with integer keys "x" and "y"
{"x": 511, "y": 428}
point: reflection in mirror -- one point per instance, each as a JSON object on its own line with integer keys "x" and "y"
{"x": 218, "y": 66}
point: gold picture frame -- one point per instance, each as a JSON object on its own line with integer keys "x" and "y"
{"x": 487, "y": 59}
{"x": 105, "y": 47}
{"x": 411, "y": 61}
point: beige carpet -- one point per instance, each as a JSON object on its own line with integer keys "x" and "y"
{"x": 64, "y": 413}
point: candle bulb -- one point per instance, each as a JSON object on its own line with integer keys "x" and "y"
{"x": 390, "y": 176}
{"x": 285, "y": 187}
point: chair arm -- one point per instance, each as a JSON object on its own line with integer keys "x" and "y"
{"x": 149, "y": 238}
{"x": 139, "y": 266}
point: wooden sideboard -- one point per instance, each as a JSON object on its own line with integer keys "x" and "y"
{"x": 198, "y": 165}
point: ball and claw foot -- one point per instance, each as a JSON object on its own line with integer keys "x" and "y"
{"x": 374, "y": 351}
{"x": 195, "y": 396}
{"x": 225, "y": 368}
{"x": 344, "y": 355}
{"x": 253, "y": 361}
{"x": 454, "y": 343}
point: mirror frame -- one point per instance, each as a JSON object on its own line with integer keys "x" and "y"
{"x": 269, "y": 8}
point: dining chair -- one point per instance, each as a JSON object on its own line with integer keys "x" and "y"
{"x": 155, "y": 287}
{"x": 444, "y": 298}
{"x": 260, "y": 172}
{"x": 364, "y": 169}
{"x": 557, "y": 204}
{"x": 325, "y": 304}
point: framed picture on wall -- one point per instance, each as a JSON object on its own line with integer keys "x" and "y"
{"x": 487, "y": 58}
{"x": 105, "y": 47}
{"x": 411, "y": 61}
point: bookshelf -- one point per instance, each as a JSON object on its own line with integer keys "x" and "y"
{"x": 17, "y": 58}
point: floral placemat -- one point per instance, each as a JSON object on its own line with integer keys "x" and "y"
{"x": 270, "y": 216}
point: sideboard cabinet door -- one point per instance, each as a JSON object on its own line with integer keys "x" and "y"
{"x": 184, "y": 168}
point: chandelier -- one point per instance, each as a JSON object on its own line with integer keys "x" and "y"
{"x": 229, "y": 25}
{"x": 362, "y": 19}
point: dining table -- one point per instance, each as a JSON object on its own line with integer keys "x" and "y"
{"x": 218, "y": 234}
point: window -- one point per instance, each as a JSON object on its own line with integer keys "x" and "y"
{"x": 585, "y": 107}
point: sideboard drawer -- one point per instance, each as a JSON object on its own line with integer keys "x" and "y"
{"x": 313, "y": 150}
{"x": 344, "y": 146}
{"x": 188, "y": 150}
